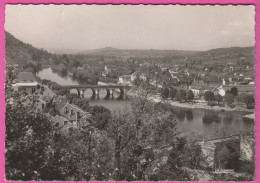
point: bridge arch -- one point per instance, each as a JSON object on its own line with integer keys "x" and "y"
{"x": 103, "y": 93}
{"x": 75, "y": 91}
{"x": 89, "y": 93}
{"x": 117, "y": 93}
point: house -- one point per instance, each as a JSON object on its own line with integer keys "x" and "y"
{"x": 48, "y": 92}
{"x": 209, "y": 88}
{"x": 106, "y": 71}
{"x": 134, "y": 75}
{"x": 42, "y": 102}
{"x": 212, "y": 80}
{"x": 173, "y": 72}
{"x": 196, "y": 89}
{"x": 124, "y": 80}
{"x": 201, "y": 89}
{"x": 76, "y": 115}
{"x": 59, "y": 102}
{"x": 25, "y": 81}
{"x": 27, "y": 102}
{"x": 71, "y": 118}
{"x": 61, "y": 123}
{"x": 248, "y": 89}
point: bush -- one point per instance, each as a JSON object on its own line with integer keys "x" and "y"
{"x": 165, "y": 93}
{"x": 229, "y": 98}
{"x": 231, "y": 105}
{"x": 222, "y": 105}
{"x": 250, "y": 106}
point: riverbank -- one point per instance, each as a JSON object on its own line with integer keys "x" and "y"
{"x": 206, "y": 106}
{"x": 192, "y": 105}
{"x": 250, "y": 116}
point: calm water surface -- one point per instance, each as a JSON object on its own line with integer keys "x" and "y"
{"x": 49, "y": 74}
{"x": 192, "y": 122}
{"x": 198, "y": 123}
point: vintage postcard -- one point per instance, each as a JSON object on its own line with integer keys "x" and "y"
{"x": 129, "y": 92}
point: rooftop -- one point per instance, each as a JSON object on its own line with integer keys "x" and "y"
{"x": 70, "y": 111}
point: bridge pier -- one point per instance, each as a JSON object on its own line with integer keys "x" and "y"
{"x": 97, "y": 93}
{"x": 124, "y": 93}
{"x": 111, "y": 93}
{"x": 81, "y": 94}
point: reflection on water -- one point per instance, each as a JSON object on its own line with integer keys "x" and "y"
{"x": 192, "y": 122}
{"x": 57, "y": 77}
{"x": 189, "y": 115}
{"x": 210, "y": 117}
{"x": 228, "y": 118}
{"x": 209, "y": 123}
{"x": 198, "y": 123}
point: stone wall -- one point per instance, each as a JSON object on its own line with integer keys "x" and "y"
{"x": 247, "y": 147}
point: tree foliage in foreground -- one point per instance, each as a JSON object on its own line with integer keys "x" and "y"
{"x": 141, "y": 142}
{"x": 27, "y": 135}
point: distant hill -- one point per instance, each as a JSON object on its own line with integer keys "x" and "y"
{"x": 21, "y": 53}
{"x": 213, "y": 54}
{"x": 231, "y": 55}
{"x": 63, "y": 51}
{"x": 18, "y": 52}
{"x": 242, "y": 51}
{"x": 109, "y": 51}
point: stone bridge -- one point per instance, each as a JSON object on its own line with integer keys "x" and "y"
{"x": 225, "y": 153}
{"x": 100, "y": 91}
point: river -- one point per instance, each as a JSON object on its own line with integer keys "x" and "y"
{"x": 192, "y": 122}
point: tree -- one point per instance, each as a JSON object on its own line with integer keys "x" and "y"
{"x": 249, "y": 101}
{"x": 229, "y": 98}
{"x": 76, "y": 63}
{"x": 80, "y": 102}
{"x": 65, "y": 58}
{"x": 219, "y": 98}
{"x": 165, "y": 93}
{"x": 137, "y": 132}
{"x": 101, "y": 116}
{"x": 209, "y": 96}
{"x": 240, "y": 98}
{"x": 28, "y": 134}
{"x": 181, "y": 95}
{"x": 172, "y": 93}
{"x": 189, "y": 95}
{"x": 63, "y": 92}
{"x": 234, "y": 91}
{"x": 72, "y": 97}
{"x": 228, "y": 92}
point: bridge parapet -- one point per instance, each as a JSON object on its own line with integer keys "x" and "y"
{"x": 96, "y": 86}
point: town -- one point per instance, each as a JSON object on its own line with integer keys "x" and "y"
{"x": 187, "y": 82}
{"x": 124, "y": 92}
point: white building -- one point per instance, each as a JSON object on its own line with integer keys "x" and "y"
{"x": 25, "y": 81}
{"x": 124, "y": 80}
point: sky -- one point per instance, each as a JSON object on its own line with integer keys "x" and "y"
{"x": 178, "y": 27}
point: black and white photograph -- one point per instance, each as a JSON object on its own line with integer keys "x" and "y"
{"x": 129, "y": 92}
